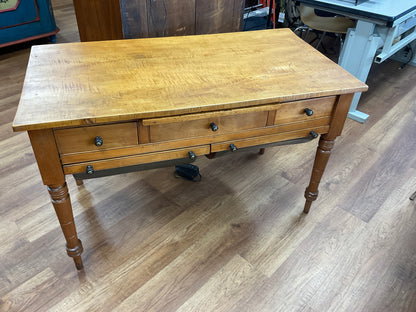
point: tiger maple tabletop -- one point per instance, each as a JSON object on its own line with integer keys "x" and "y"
{"x": 99, "y": 108}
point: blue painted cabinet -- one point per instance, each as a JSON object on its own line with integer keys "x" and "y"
{"x": 24, "y": 20}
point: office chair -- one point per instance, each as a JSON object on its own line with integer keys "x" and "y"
{"x": 324, "y": 24}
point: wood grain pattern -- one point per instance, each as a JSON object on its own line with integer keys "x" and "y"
{"x": 192, "y": 80}
{"x": 223, "y": 289}
{"x": 30, "y": 291}
{"x": 216, "y": 114}
{"x": 201, "y": 127}
{"x": 154, "y": 226}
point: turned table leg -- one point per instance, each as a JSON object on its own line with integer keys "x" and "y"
{"x": 47, "y": 157}
{"x": 326, "y": 143}
{"x": 62, "y": 204}
{"x": 321, "y": 159}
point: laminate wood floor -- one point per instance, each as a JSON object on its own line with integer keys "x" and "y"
{"x": 236, "y": 241}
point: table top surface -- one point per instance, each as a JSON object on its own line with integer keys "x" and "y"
{"x": 109, "y": 81}
{"x": 383, "y": 10}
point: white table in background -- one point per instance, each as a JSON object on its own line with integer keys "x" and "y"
{"x": 379, "y": 24}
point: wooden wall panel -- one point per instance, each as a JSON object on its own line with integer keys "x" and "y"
{"x": 134, "y": 18}
{"x": 98, "y": 20}
{"x": 118, "y": 19}
{"x": 179, "y": 17}
{"x": 238, "y": 15}
{"x": 217, "y": 16}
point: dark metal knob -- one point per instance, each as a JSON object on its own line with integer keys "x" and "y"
{"x": 213, "y": 126}
{"x": 90, "y": 169}
{"x": 233, "y": 148}
{"x": 192, "y": 155}
{"x": 98, "y": 141}
{"x": 308, "y": 112}
{"x": 313, "y": 134}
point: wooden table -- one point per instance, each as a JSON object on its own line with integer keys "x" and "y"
{"x": 95, "y": 107}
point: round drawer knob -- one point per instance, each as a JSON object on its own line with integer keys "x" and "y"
{"x": 233, "y": 148}
{"x": 98, "y": 141}
{"x": 313, "y": 134}
{"x": 191, "y": 155}
{"x": 213, "y": 126}
{"x": 90, "y": 169}
{"x": 308, "y": 112}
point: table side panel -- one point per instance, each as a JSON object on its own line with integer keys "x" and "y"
{"x": 339, "y": 114}
{"x": 47, "y": 156}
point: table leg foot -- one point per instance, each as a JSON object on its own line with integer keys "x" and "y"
{"x": 75, "y": 253}
{"x": 321, "y": 159}
{"x": 310, "y": 197}
{"x": 261, "y": 151}
{"x": 62, "y": 204}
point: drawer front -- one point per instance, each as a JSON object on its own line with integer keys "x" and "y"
{"x": 87, "y": 139}
{"x": 295, "y": 111}
{"x": 169, "y": 145}
{"x": 205, "y": 126}
{"x": 266, "y": 139}
{"x": 137, "y": 159}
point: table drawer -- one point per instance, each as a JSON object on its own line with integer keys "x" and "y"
{"x": 170, "y": 145}
{"x": 85, "y": 139}
{"x": 132, "y": 160}
{"x": 295, "y": 111}
{"x": 183, "y": 128}
{"x": 266, "y": 139}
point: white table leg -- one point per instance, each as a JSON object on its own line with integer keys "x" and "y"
{"x": 357, "y": 56}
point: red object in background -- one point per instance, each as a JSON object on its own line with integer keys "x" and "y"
{"x": 264, "y": 3}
